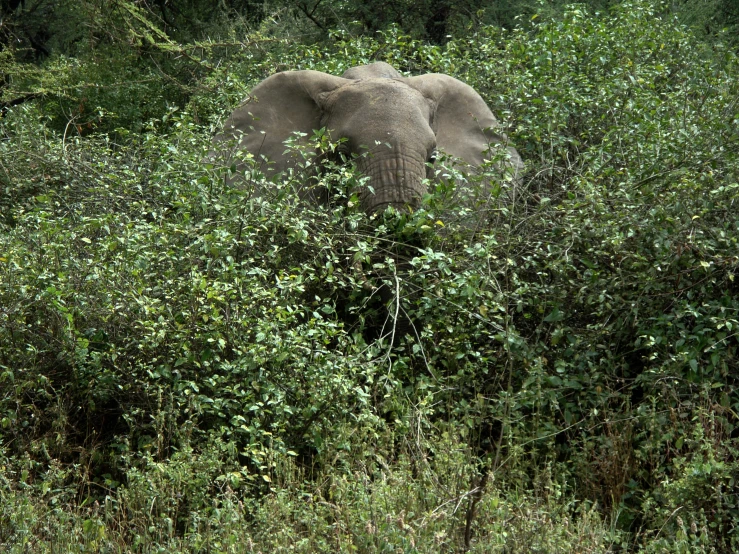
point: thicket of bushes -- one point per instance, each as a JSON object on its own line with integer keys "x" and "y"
{"x": 185, "y": 368}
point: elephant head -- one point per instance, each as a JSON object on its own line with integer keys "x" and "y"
{"x": 395, "y": 124}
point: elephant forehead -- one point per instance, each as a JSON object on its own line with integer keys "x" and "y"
{"x": 384, "y": 94}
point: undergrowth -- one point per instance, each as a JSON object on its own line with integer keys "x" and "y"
{"x": 186, "y": 366}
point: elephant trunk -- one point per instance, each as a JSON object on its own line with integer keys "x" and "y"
{"x": 395, "y": 179}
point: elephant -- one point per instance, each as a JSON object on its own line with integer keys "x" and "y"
{"x": 395, "y": 125}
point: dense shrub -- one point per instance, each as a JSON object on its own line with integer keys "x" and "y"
{"x": 187, "y": 366}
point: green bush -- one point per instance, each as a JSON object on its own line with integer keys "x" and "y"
{"x": 187, "y": 366}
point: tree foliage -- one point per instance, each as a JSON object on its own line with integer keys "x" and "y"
{"x": 185, "y": 367}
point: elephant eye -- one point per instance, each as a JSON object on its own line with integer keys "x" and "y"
{"x": 342, "y": 154}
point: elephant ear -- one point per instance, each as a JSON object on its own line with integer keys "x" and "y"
{"x": 464, "y": 125}
{"x": 277, "y": 107}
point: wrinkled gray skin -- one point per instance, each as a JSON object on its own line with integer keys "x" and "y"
{"x": 396, "y": 124}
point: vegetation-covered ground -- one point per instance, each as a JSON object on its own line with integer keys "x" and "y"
{"x": 185, "y": 368}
